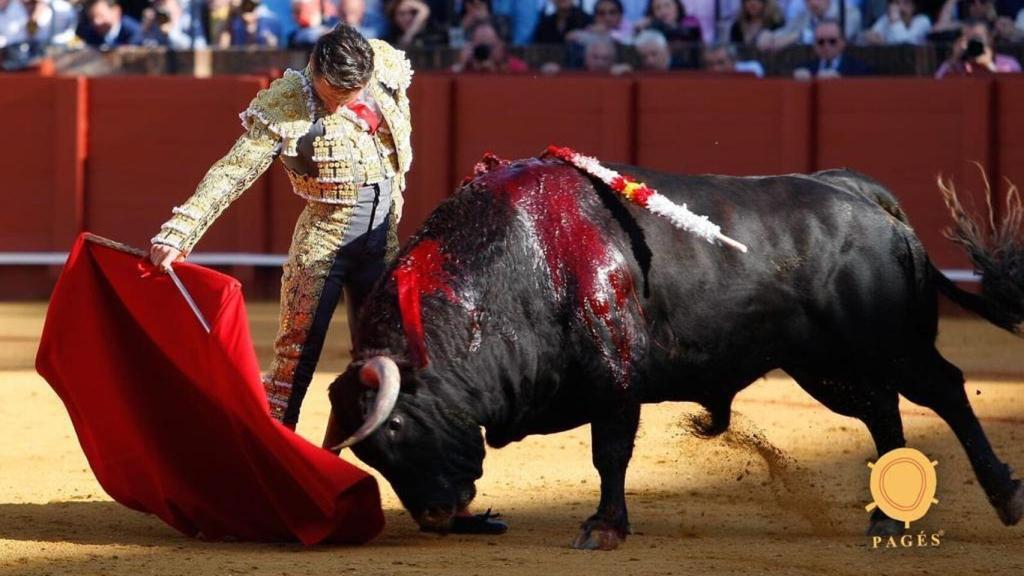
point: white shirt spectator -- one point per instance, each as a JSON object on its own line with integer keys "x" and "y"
{"x": 797, "y": 16}
{"x": 899, "y": 33}
{"x": 750, "y": 67}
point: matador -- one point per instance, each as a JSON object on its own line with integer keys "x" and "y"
{"x": 341, "y": 128}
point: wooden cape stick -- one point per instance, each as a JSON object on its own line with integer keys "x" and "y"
{"x": 170, "y": 272}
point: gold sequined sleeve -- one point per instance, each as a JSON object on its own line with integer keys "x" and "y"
{"x": 250, "y": 157}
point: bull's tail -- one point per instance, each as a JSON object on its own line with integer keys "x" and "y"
{"x": 997, "y": 251}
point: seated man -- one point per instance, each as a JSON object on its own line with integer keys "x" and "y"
{"x": 803, "y": 18}
{"x": 103, "y": 26}
{"x": 722, "y": 58}
{"x": 829, "y": 45}
{"x": 654, "y": 51}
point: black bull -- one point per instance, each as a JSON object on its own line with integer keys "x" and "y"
{"x": 546, "y": 303}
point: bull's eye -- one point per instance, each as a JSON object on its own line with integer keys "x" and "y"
{"x": 395, "y": 424}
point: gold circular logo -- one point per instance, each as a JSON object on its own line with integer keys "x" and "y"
{"x": 903, "y": 485}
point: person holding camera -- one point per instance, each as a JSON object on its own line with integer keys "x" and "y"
{"x": 162, "y": 26}
{"x": 249, "y": 27}
{"x": 485, "y": 52}
{"x": 973, "y": 54}
{"x": 341, "y": 127}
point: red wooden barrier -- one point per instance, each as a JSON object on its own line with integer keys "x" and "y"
{"x": 430, "y": 180}
{"x": 151, "y": 140}
{"x": 41, "y": 161}
{"x": 1010, "y": 131}
{"x": 519, "y": 116}
{"x": 689, "y": 124}
{"x": 905, "y": 132}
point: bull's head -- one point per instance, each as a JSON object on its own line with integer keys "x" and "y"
{"x": 429, "y": 449}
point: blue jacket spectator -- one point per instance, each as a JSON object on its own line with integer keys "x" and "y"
{"x": 104, "y": 26}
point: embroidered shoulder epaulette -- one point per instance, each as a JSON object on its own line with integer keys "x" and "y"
{"x": 390, "y": 66}
{"x": 284, "y": 108}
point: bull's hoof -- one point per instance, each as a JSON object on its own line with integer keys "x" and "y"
{"x": 1011, "y": 511}
{"x": 885, "y": 526}
{"x": 598, "y": 536}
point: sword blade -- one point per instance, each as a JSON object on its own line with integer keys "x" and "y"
{"x": 188, "y": 299}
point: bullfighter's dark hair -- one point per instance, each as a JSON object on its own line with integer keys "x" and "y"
{"x": 343, "y": 58}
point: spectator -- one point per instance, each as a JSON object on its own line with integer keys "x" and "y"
{"x": 13, "y": 22}
{"x": 669, "y": 17}
{"x": 218, "y": 14}
{"x": 830, "y": 62}
{"x": 632, "y": 9}
{"x": 409, "y": 25}
{"x": 599, "y": 54}
{"x": 478, "y": 11}
{"x": 44, "y": 23}
{"x": 900, "y": 26}
{"x": 310, "y": 22}
{"x": 566, "y": 18}
{"x": 162, "y": 25}
{"x": 722, "y": 59}
{"x": 756, "y": 18}
{"x": 955, "y": 12}
{"x": 248, "y": 27}
{"x": 365, "y": 16}
{"x": 485, "y": 52}
{"x": 104, "y": 26}
{"x": 653, "y": 49}
{"x": 375, "y": 20}
{"x": 1009, "y": 30}
{"x": 608, "y": 21}
{"x": 703, "y": 11}
{"x": 806, "y": 16}
{"x": 517, "y": 19}
{"x": 973, "y": 54}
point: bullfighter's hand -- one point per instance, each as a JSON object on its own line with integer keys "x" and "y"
{"x": 162, "y": 256}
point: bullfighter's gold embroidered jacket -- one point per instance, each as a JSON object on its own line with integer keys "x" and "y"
{"x": 328, "y": 157}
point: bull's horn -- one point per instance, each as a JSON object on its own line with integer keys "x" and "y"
{"x": 379, "y": 372}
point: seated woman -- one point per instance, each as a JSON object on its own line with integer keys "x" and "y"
{"x": 410, "y": 25}
{"x": 756, "y": 17}
{"x": 670, "y": 18}
{"x": 901, "y": 25}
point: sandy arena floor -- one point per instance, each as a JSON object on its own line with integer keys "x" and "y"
{"x": 724, "y": 506}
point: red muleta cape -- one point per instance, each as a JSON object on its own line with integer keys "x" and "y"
{"x": 174, "y": 421}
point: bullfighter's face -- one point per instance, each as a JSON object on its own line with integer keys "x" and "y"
{"x": 430, "y": 450}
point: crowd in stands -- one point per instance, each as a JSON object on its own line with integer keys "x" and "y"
{"x": 595, "y": 33}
